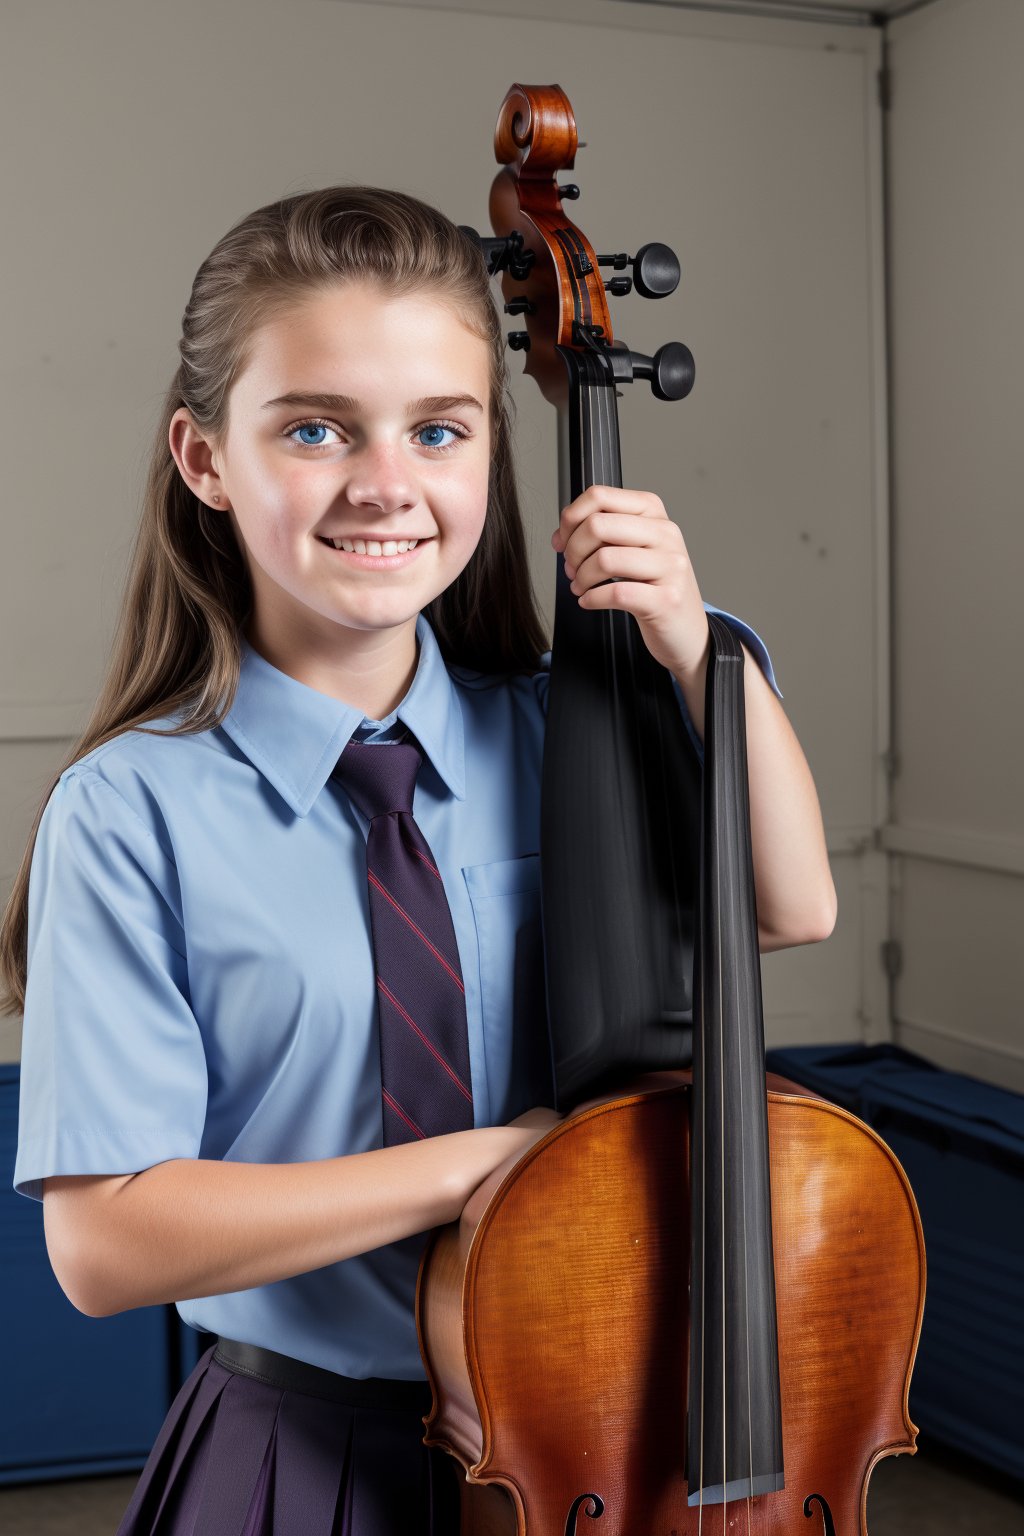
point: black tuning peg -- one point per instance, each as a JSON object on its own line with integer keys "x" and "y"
{"x": 619, "y": 285}
{"x": 570, "y": 191}
{"x": 503, "y": 253}
{"x": 655, "y": 269}
{"x": 519, "y": 341}
{"x": 519, "y": 306}
{"x": 656, "y": 273}
{"x": 671, "y": 370}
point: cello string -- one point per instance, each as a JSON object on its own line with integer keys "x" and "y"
{"x": 599, "y": 463}
{"x": 599, "y": 420}
{"x": 746, "y": 1274}
{"x": 703, "y": 1219}
{"x": 721, "y": 1079}
{"x": 604, "y": 406}
{"x": 734, "y": 899}
{"x": 703, "y": 1196}
{"x": 601, "y": 437}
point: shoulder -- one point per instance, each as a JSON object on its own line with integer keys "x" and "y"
{"x": 135, "y": 779}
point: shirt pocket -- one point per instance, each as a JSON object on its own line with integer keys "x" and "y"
{"x": 505, "y": 897}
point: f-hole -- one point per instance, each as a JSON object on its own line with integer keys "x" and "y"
{"x": 828, "y": 1524}
{"x": 570, "y": 1519}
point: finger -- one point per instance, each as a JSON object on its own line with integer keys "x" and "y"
{"x": 611, "y": 563}
{"x": 636, "y": 597}
{"x": 618, "y": 498}
{"x": 614, "y": 498}
{"x": 617, "y": 528}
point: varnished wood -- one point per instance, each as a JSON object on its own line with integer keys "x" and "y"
{"x": 553, "y": 1319}
{"x": 536, "y": 138}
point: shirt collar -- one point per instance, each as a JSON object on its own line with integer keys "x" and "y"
{"x": 295, "y": 734}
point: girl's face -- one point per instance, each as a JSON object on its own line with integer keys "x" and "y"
{"x": 359, "y": 417}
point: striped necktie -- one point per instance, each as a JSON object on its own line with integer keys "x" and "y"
{"x": 421, "y": 1002}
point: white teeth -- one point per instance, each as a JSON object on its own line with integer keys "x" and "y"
{"x": 374, "y": 547}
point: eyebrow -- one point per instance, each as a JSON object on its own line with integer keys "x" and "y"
{"x": 349, "y": 403}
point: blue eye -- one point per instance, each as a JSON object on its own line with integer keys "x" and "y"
{"x": 435, "y": 426}
{"x": 307, "y": 434}
{"x": 312, "y": 426}
{"x": 458, "y": 433}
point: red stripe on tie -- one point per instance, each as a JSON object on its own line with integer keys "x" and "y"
{"x": 403, "y": 913}
{"x": 393, "y": 1000}
{"x": 426, "y": 861}
{"x": 398, "y": 1111}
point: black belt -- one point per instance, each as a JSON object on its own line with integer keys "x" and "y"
{"x": 316, "y": 1381}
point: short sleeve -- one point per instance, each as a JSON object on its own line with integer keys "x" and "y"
{"x": 758, "y": 650}
{"x": 113, "y": 1070}
{"x": 542, "y": 679}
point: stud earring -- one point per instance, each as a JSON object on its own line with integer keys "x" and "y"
{"x": 215, "y": 498}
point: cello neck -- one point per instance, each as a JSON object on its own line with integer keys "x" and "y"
{"x": 588, "y": 426}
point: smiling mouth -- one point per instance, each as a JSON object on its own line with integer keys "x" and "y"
{"x": 374, "y": 547}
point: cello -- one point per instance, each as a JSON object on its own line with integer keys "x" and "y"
{"x": 694, "y": 1304}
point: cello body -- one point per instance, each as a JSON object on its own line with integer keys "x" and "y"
{"x": 553, "y": 1320}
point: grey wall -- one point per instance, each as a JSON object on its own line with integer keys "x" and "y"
{"x": 137, "y": 132}
{"x": 957, "y": 233}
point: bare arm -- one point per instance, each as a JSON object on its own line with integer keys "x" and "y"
{"x": 795, "y": 893}
{"x": 200, "y": 1227}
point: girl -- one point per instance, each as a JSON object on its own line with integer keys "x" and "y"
{"x": 331, "y": 552}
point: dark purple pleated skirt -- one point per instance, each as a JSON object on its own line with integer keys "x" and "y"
{"x": 236, "y": 1456}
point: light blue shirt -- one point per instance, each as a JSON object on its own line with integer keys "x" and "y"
{"x": 200, "y": 978}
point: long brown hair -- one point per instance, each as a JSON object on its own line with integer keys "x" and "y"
{"x": 187, "y": 597}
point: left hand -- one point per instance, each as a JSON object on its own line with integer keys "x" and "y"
{"x": 610, "y": 532}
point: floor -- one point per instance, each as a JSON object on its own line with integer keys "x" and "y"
{"x": 934, "y": 1493}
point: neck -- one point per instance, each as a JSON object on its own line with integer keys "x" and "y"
{"x": 369, "y": 670}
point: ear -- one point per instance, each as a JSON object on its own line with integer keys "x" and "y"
{"x": 194, "y": 457}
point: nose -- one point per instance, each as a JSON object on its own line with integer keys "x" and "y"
{"x": 379, "y": 477}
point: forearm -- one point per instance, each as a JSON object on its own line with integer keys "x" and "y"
{"x": 197, "y": 1227}
{"x": 795, "y": 894}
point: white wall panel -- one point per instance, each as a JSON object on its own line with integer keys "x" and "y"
{"x": 957, "y": 239}
{"x": 144, "y": 130}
